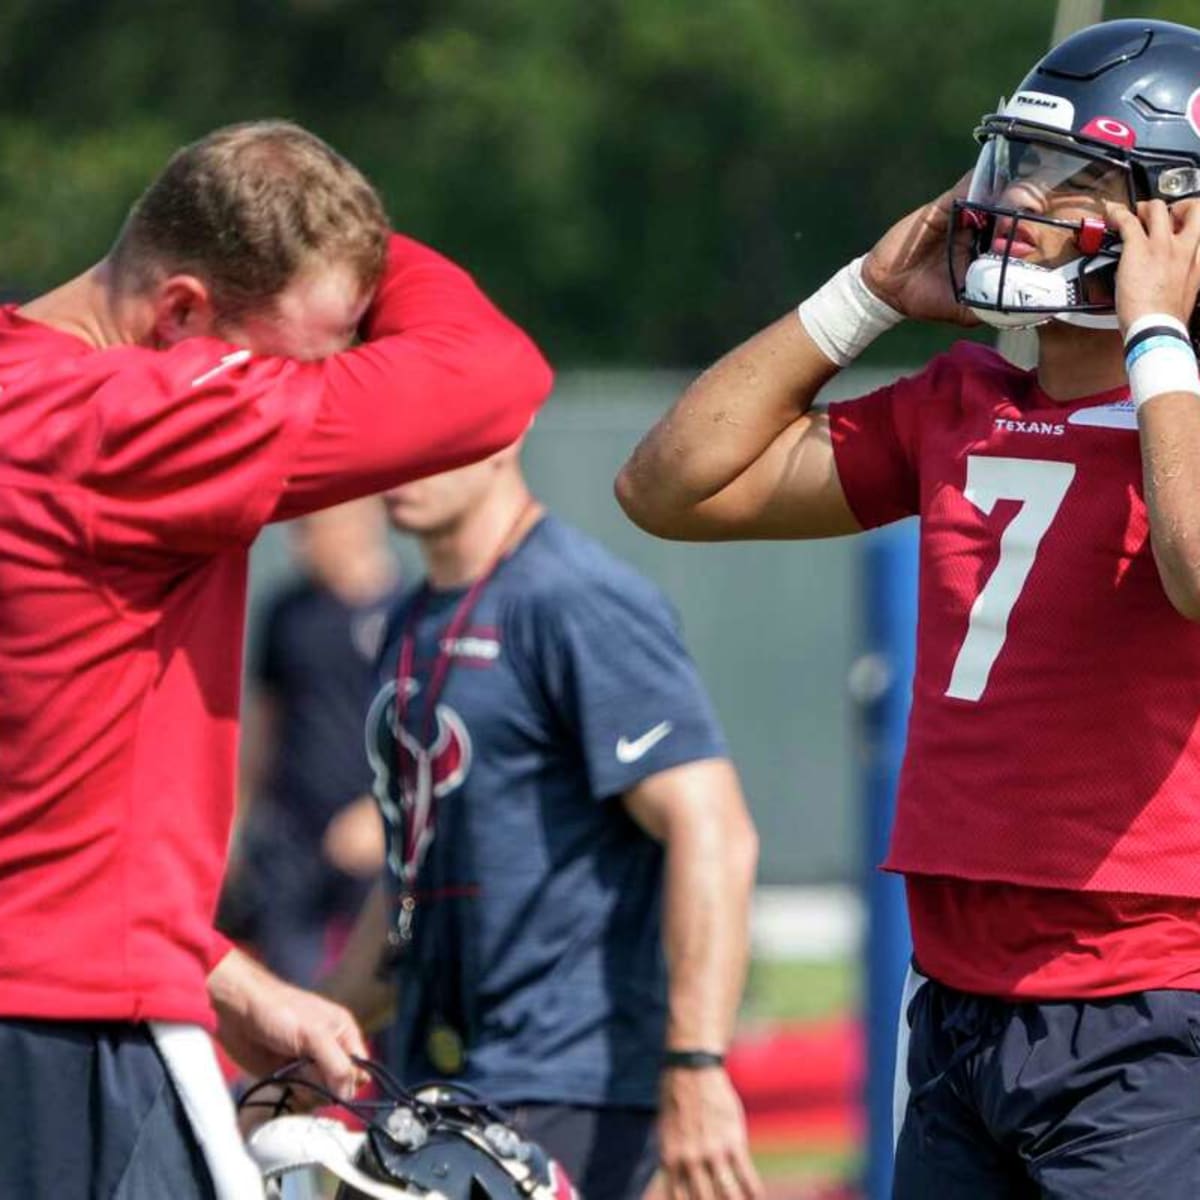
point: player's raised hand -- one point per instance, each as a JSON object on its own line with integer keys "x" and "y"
{"x": 1159, "y": 271}
{"x": 702, "y": 1138}
{"x": 907, "y": 266}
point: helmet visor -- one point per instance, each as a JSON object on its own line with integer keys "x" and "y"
{"x": 1044, "y": 179}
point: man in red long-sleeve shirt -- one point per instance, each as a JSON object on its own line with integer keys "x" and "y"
{"x": 155, "y": 412}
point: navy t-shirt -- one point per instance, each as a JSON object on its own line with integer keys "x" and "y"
{"x": 538, "y": 928}
{"x": 317, "y": 660}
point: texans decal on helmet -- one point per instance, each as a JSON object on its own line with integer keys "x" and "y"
{"x": 1055, "y": 111}
{"x": 1101, "y": 119}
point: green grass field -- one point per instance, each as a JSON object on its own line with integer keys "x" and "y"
{"x": 796, "y": 990}
{"x": 782, "y": 1171}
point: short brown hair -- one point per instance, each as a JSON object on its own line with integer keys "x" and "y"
{"x": 244, "y": 208}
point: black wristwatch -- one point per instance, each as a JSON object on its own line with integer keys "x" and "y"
{"x": 692, "y": 1060}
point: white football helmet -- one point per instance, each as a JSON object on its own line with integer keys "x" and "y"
{"x": 438, "y": 1142}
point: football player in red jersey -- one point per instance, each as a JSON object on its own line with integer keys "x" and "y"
{"x": 155, "y": 412}
{"x": 1047, "y": 822}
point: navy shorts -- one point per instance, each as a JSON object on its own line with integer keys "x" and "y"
{"x": 609, "y": 1153}
{"x": 1061, "y": 1100}
{"x": 88, "y": 1113}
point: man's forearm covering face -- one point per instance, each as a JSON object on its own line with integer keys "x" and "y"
{"x": 442, "y": 378}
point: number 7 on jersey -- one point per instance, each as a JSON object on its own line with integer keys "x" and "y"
{"x": 1040, "y": 486}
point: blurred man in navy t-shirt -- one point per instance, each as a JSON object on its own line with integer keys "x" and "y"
{"x": 570, "y": 859}
{"x": 309, "y": 841}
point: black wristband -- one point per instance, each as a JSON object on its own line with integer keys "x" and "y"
{"x": 693, "y": 1060}
{"x": 1152, "y": 331}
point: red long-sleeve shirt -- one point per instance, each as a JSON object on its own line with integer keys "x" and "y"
{"x": 132, "y": 482}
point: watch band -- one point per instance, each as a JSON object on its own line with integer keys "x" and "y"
{"x": 693, "y": 1060}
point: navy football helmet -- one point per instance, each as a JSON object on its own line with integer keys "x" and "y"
{"x": 1111, "y": 113}
{"x": 438, "y": 1142}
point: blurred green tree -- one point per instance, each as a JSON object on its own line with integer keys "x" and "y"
{"x": 640, "y": 181}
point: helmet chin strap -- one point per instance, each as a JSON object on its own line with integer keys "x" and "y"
{"x": 1006, "y": 320}
{"x": 1089, "y": 320}
{"x": 1044, "y": 293}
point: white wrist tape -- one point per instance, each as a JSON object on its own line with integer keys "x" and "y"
{"x": 844, "y": 316}
{"x": 1159, "y": 358}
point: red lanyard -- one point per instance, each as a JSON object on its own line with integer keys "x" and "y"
{"x": 417, "y": 805}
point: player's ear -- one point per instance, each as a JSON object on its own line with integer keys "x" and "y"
{"x": 183, "y": 308}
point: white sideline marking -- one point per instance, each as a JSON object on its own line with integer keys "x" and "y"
{"x": 806, "y": 922}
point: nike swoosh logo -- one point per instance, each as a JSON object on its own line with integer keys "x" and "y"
{"x": 628, "y": 751}
{"x": 229, "y": 360}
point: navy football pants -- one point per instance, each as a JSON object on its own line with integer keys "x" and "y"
{"x": 1096, "y": 1100}
{"x": 87, "y": 1112}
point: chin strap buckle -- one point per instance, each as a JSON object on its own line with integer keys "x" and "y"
{"x": 1092, "y": 235}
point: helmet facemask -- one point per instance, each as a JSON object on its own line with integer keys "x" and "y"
{"x": 439, "y": 1142}
{"x": 1030, "y": 242}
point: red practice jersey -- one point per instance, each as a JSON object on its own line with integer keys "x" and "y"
{"x": 1053, "y": 741}
{"x": 133, "y": 482}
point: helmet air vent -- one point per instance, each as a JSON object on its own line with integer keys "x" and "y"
{"x": 1086, "y": 57}
{"x": 1159, "y": 111}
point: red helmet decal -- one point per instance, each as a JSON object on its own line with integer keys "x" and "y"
{"x": 1109, "y": 129}
{"x": 1193, "y": 111}
{"x": 564, "y": 1189}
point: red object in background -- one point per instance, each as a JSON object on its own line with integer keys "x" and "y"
{"x": 801, "y": 1083}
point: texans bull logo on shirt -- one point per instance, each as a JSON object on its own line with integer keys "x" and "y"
{"x": 409, "y": 775}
